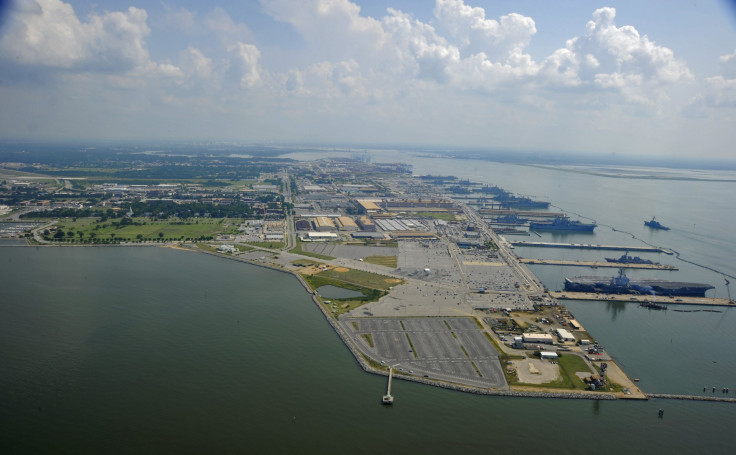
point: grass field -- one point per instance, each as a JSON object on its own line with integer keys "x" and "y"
{"x": 386, "y": 261}
{"x": 270, "y": 245}
{"x": 447, "y": 216}
{"x": 358, "y": 278}
{"x": 143, "y": 229}
{"x": 371, "y": 285}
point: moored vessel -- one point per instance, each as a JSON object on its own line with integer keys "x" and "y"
{"x": 621, "y": 284}
{"x": 562, "y": 224}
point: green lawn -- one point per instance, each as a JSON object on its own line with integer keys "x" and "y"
{"x": 447, "y": 216}
{"x": 359, "y": 278}
{"x": 270, "y": 245}
{"x": 144, "y": 229}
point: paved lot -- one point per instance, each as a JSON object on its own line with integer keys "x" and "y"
{"x": 349, "y": 251}
{"x": 448, "y": 349}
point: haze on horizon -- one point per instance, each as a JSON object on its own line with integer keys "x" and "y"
{"x": 626, "y": 77}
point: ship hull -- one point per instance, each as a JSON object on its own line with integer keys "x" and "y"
{"x": 560, "y": 227}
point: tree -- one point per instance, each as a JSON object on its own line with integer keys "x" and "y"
{"x": 80, "y": 234}
{"x": 160, "y": 235}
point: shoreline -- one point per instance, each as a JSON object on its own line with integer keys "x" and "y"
{"x": 365, "y": 365}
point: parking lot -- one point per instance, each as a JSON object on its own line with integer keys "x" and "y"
{"x": 448, "y": 349}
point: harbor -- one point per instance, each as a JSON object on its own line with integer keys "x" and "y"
{"x": 589, "y": 246}
{"x": 596, "y": 264}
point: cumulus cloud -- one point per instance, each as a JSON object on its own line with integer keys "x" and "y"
{"x": 728, "y": 65}
{"x": 48, "y": 33}
{"x": 718, "y": 91}
{"x": 246, "y": 64}
{"x": 495, "y": 38}
{"x": 613, "y": 58}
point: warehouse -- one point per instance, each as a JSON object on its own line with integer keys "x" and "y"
{"x": 539, "y": 338}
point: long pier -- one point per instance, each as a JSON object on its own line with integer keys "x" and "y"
{"x": 589, "y": 246}
{"x": 535, "y": 213}
{"x": 660, "y": 299}
{"x": 596, "y": 264}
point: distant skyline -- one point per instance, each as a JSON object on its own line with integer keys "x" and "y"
{"x": 606, "y": 78}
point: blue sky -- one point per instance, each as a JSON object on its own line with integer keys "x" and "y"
{"x": 622, "y": 77}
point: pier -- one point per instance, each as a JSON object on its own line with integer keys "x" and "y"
{"x": 588, "y": 246}
{"x": 595, "y": 264}
{"x": 388, "y": 398}
{"x": 521, "y": 213}
{"x": 660, "y": 299}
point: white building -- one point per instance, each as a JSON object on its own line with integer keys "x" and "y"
{"x": 564, "y": 335}
{"x": 539, "y": 338}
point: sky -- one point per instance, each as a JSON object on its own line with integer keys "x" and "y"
{"x": 630, "y": 78}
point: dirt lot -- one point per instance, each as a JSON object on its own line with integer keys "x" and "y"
{"x": 536, "y": 371}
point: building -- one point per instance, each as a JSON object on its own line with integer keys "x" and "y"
{"x": 303, "y": 225}
{"x": 323, "y": 224}
{"x": 564, "y": 335}
{"x": 319, "y": 236}
{"x": 369, "y": 235}
{"x": 575, "y": 325}
{"x": 366, "y": 224}
{"x": 368, "y": 206}
{"x": 538, "y": 338}
{"x": 548, "y": 355}
{"x": 345, "y": 223}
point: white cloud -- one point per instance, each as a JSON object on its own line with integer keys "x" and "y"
{"x": 48, "y": 33}
{"x": 614, "y": 58}
{"x": 245, "y": 61}
{"x": 495, "y": 38}
{"x": 196, "y": 64}
{"x": 229, "y": 31}
{"x": 719, "y": 91}
{"x": 728, "y": 65}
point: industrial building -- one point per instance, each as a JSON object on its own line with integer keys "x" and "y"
{"x": 538, "y": 338}
{"x": 319, "y": 236}
{"x": 366, "y": 224}
{"x": 564, "y": 335}
{"x": 345, "y": 223}
{"x": 323, "y": 224}
{"x": 368, "y": 206}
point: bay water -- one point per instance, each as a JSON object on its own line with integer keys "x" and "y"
{"x": 155, "y": 350}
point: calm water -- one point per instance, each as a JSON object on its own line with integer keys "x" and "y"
{"x": 334, "y": 292}
{"x": 157, "y": 350}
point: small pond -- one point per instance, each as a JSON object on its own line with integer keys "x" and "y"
{"x": 333, "y": 292}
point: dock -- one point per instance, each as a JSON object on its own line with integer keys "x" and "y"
{"x": 660, "y": 299}
{"x": 595, "y": 264}
{"x": 521, "y": 213}
{"x": 588, "y": 246}
{"x": 388, "y": 398}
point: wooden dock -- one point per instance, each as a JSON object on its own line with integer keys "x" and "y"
{"x": 595, "y": 264}
{"x": 588, "y": 246}
{"x": 660, "y": 299}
